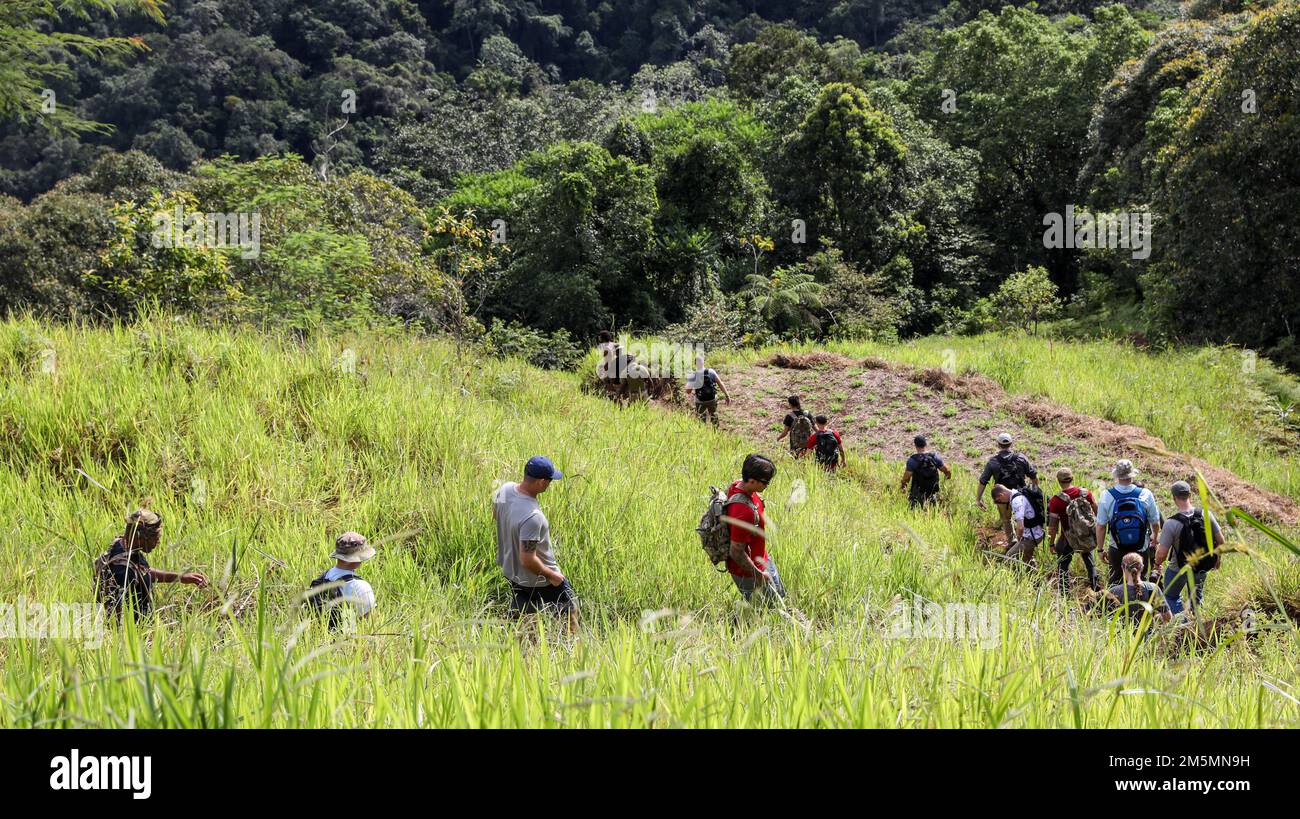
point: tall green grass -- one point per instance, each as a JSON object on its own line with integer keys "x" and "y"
{"x": 266, "y": 447}
{"x": 1220, "y": 404}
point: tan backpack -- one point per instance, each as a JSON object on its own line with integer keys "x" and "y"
{"x": 1079, "y": 525}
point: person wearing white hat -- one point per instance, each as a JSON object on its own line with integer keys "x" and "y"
{"x": 341, "y": 585}
{"x": 1129, "y": 513}
{"x": 1010, "y": 469}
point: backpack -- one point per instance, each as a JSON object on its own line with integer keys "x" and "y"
{"x": 1128, "y": 521}
{"x": 1192, "y": 547}
{"x": 112, "y": 594}
{"x": 826, "y": 448}
{"x": 926, "y": 476}
{"x": 707, "y": 391}
{"x": 1010, "y": 470}
{"x": 801, "y": 429}
{"x": 1035, "y": 498}
{"x": 714, "y": 532}
{"x": 1080, "y": 525}
{"x": 327, "y": 600}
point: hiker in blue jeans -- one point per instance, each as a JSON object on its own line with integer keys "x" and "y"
{"x": 1184, "y": 536}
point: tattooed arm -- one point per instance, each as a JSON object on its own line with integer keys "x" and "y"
{"x": 529, "y": 560}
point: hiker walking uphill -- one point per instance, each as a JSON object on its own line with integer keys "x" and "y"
{"x": 826, "y": 445}
{"x": 702, "y": 386}
{"x": 123, "y": 576}
{"x": 524, "y": 550}
{"x": 340, "y": 593}
{"x": 1027, "y": 517}
{"x": 798, "y": 426}
{"x": 1133, "y": 594}
{"x": 1129, "y": 513}
{"x": 1010, "y": 469}
{"x": 1071, "y": 524}
{"x": 1184, "y": 536}
{"x": 752, "y": 569}
{"x": 732, "y": 529}
{"x": 922, "y": 474}
{"x": 612, "y": 365}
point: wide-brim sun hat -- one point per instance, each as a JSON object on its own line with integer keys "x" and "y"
{"x": 351, "y": 547}
{"x": 1124, "y": 469}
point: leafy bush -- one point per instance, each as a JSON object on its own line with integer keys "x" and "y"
{"x": 550, "y": 351}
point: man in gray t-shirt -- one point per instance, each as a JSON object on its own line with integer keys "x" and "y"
{"x": 1179, "y": 576}
{"x": 524, "y": 550}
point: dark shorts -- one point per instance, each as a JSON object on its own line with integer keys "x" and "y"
{"x": 529, "y": 599}
{"x": 924, "y": 497}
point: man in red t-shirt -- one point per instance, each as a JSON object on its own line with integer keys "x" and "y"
{"x": 749, "y": 563}
{"x": 1056, "y": 531}
{"x": 826, "y": 445}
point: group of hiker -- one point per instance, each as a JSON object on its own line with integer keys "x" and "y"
{"x": 1125, "y": 526}
{"x": 812, "y": 433}
{"x": 1151, "y": 560}
{"x": 124, "y": 579}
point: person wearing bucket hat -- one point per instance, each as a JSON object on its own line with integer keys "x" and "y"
{"x": 123, "y": 575}
{"x": 340, "y": 585}
{"x": 1129, "y": 513}
{"x": 524, "y": 550}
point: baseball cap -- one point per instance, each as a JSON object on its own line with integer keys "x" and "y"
{"x": 1065, "y": 473}
{"x": 1004, "y": 439}
{"x": 1181, "y": 489}
{"x": 540, "y": 466}
{"x": 351, "y": 547}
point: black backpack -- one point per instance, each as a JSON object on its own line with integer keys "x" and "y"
{"x": 1035, "y": 498}
{"x": 1011, "y": 470}
{"x": 327, "y": 600}
{"x": 706, "y": 391}
{"x": 826, "y": 448}
{"x": 1191, "y": 543}
{"x": 926, "y": 475}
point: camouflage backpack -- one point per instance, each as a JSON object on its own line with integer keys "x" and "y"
{"x": 800, "y": 430}
{"x": 715, "y": 533}
{"x": 1080, "y": 525}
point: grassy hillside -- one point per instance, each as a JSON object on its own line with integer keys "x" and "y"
{"x": 267, "y": 447}
{"x": 1220, "y": 404}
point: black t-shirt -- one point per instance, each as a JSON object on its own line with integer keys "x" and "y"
{"x": 793, "y": 414}
{"x": 1021, "y": 463}
{"x": 132, "y": 576}
{"x": 915, "y": 465}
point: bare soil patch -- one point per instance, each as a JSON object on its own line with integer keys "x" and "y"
{"x": 878, "y": 408}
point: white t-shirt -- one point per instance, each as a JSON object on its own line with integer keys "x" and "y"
{"x": 1021, "y": 509}
{"x": 356, "y": 592}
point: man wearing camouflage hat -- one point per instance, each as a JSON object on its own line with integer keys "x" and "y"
{"x": 124, "y": 573}
{"x": 340, "y": 585}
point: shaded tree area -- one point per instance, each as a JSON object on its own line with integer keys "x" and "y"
{"x": 532, "y": 171}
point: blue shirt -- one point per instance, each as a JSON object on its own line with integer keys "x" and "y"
{"x": 1106, "y": 503}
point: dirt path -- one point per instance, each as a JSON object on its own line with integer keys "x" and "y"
{"x": 879, "y": 407}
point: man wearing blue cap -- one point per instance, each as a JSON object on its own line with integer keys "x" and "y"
{"x": 524, "y": 550}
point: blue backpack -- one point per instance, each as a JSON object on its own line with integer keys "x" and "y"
{"x": 1128, "y": 521}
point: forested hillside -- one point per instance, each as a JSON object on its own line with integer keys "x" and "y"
{"x": 726, "y": 172}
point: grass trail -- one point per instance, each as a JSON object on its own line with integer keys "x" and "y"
{"x": 270, "y": 446}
